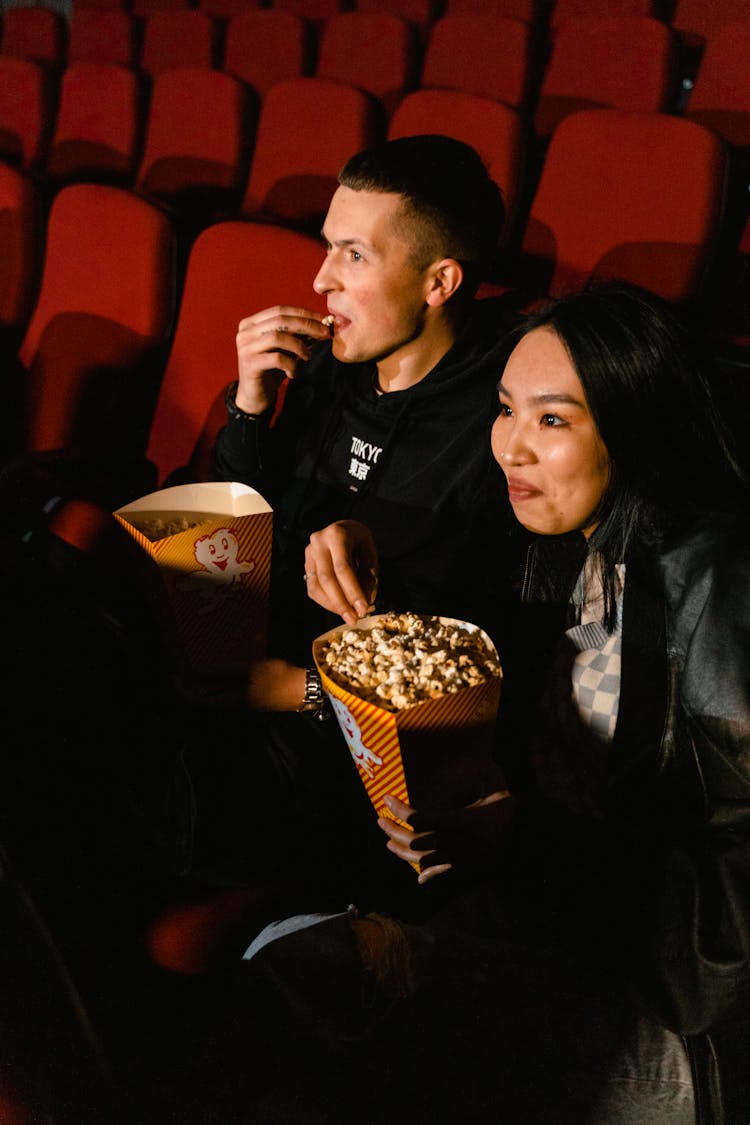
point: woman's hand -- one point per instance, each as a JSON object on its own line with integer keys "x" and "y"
{"x": 440, "y": 841}
{"x": 341, "y": 566}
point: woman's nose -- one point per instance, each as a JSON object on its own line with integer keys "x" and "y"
{"x": 510, "y": 446}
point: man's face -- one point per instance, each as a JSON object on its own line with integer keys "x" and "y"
{"x": 375, "y": 293}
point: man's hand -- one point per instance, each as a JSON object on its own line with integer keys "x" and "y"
{"x": 341, "y": 566}
{"x": 440, "y": 841}
{"x": 275, "y": 685}
{"x": 270, "y": 344}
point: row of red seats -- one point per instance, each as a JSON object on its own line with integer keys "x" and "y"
{"x": 625, "y": 62}
{"x": 99, "y": 365}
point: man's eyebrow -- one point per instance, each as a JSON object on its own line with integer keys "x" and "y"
{"x": 545, "y": 399}
{"x": 344, "y": 242}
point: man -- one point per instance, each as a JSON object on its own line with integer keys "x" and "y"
{"x": 381, "y": 442}
{"x": 379, "y": 471}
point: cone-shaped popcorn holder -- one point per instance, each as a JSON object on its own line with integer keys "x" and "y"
{"x": 433, "y": 755}
{"x": 208, "y": 570}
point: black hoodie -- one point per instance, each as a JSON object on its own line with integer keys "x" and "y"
{"x": 415, "y": 466}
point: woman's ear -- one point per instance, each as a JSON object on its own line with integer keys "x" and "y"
{"x": 446, "y": 277}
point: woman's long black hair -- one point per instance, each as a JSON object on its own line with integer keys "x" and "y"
{"x": 672, "y": 456}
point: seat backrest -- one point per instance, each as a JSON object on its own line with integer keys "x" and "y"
{"x": 177, "y": 38}
{"x": 702, "y": 18}
{"x": 564, "y": 9}
{"x": 492, "y": 128}
{"x": 26, "y": 112}
{"x": 225, "y": 9}
{"x": 421, "y": 13}
{"x": 20, "y": 250}
{"x": 106, "y": 300}
{"x": 638, "y": 196}
{"x": 722, "y": 84}
{"x": 308, "y": 128}
{"x": 315, "y": 10}
{"x": 266, "y": 46}
{"x": 527, "y": 10}
{"x": 622, "y": 62}
{"x": 107, "y": 36}
{"x": 375, "y": 51}
{"x": 234, "y": 270}
{"x": 488, "y": 55}
{"x": 99, "y": 128}
{"x": 197, "y": 133}
{"x": 35, "y": 33}
{"x": 142, "y": 8}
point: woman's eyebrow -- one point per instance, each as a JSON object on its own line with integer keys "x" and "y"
{"x": 546, "y": 398}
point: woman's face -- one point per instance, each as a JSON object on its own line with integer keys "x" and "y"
{"x": 545, "y": 439}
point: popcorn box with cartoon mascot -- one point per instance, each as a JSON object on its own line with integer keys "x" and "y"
{"x": 436, "y": 753}
{"x": 208, "y": 555}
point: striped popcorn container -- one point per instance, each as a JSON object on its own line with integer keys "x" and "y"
{"x": 206, "y": 551}
{"x": 434, "y": 754}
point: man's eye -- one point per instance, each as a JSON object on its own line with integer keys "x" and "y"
{"x": 355, "y": 256}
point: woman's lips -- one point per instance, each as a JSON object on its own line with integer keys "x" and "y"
{"x": 519, "y": 490}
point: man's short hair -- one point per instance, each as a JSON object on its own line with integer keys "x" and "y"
{"x": 453, "y": 209}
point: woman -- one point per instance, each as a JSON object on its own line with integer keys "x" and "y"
{"x": 601, "y": 965}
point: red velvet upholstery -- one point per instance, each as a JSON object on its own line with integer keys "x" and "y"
{"x": 493, "y": 129}
{"x": 721, "y": 94}
{"x": 373, "y": 50}
{"x": 244, "y": 267}
{"x": 419, "y": 12}
{"x": 35, "y": 33}
{"x": 488, "y": 55}
{"x": 99, "y": 127}
{"x": 106, "y": 301}
{"x": 20, "y": 248}
{"x": 26, "y": 108}
{"x": 622, "y": 62}
{"x": 638, "y": 196}
{"x": 102, "y": 37}
{"x": 177, "y": 38}
{"x": 564, "y": 9}
{"x": 266, "y": 46}
{"x": 308, "y": 128}
{"x": 526, "y": 10}
{"x": 198, "y": 135}
{"x": 698, "y": 20}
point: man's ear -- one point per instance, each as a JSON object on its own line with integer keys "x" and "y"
{"x": 445, "y": 277}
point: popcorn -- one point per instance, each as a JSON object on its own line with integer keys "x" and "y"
{"x": 328, "y": 321}
{"x": 407, "y": 659}
{"x": 159, "y": 527}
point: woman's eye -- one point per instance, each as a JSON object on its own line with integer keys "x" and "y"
{"x": 505, "y": 411}
{"x": 551, "y": 420}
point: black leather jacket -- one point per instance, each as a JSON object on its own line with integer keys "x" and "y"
{"x": 665, "y": 878}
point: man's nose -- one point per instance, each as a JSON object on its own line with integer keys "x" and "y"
{"x": 324, "y": 281}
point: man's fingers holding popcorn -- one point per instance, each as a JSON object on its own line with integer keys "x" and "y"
{"x": 341, "y": 567}
{"x": 270, "y": 344}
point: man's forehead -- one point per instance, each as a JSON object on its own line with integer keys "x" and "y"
{"x": 362, "y": 217}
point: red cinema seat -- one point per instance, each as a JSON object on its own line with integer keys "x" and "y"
{"x": 526, "y": 10}
{"x": 102, "y": 36}
{"x": 421, "y": 13}
{"x": 35, "y": 33}
{"x": 266, "y": 46}
{"x": 234, "y": 269}
{"x": 26, "y": 112}
{"x": 314, "y": 10}
{"x": 620, "y": 62}
{"x": 720, "y": 98}
{"x": 20, "y": 252}
{"x": 698, "y": 20}
{"x": 177, "y": 38}
{"x": 99, "y": 128}
{"x": 225, "y": 9}
{"x": 565, "y": 9}
{"x": 374, "y": 51}
{"x": 636, "y": 196}
{"x": 493, "y": 129}
{"x": 308, "y": 128}
{"x": 198, "y": 138}
{"x": 488, "y": 55}
{"x": 103, "y": 313}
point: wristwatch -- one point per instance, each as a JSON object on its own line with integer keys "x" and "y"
{"x": 234, "y": 411}
{"x": 315, "y": 701}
